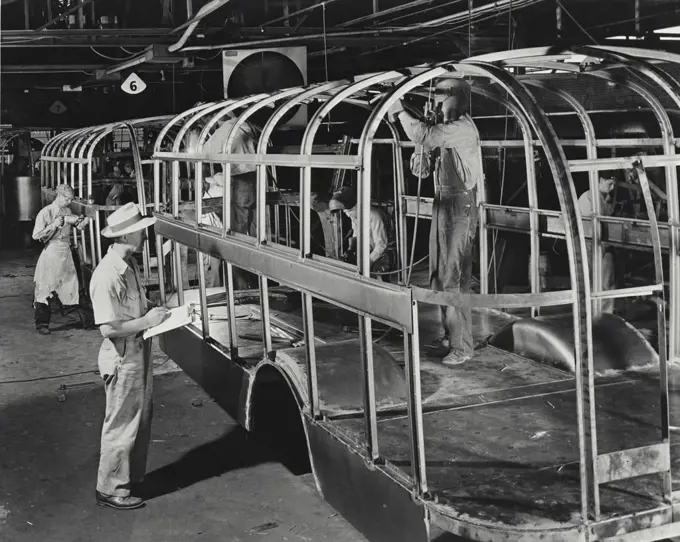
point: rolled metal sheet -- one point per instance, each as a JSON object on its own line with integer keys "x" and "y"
{"x": 617, "y": 345}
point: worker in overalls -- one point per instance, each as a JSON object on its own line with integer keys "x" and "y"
{"x": 345, "y": 200}
{"x": 606, "y": 184}
{"x": 243, "y": 184}
{"x": 454, "y": 143}
{"x": 213, "y": 189}
{"x": 55, "y": 272}
{"x": 121, "y": 310}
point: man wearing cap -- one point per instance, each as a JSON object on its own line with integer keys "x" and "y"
{"x": 346, "y": 200}
{"x": 55, "y": 272}
{"x": 121, "y": 310}
{"x": 457, "y": 171}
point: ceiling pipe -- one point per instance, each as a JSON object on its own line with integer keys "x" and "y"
{"x": 456, "y": 18}
{"x": 302, "y": 37}
{"x": 463, "y": 16}
{"x": 299, "y": 12}
{"x": 191, "y": 25}
{"x": 390, "y": 11}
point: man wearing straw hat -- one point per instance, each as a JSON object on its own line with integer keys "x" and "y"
{"x": 457, "y": 171}
{"x": 121, "y": 310}
{"x": 55, "y": 272}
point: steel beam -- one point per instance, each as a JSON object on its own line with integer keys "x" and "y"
{"x": 386, "y": 302}
{"x": 327, "y": 161}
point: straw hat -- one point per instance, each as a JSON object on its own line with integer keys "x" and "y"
{"x": 127, "y": 219}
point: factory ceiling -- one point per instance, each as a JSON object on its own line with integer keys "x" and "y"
{"x": 177, "y": 45}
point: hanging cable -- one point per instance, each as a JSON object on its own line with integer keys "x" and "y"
{"x": 325, "y": 58}
{"x": 470, "y": 30}
{"x": 415, "y": 225}
{"x": 325, "y": 43}
{"x": 408, "y": 42}
{"x": 130, "y": 52}
{"x": 414, "y": 14}
{"x": 492, "y": 262}
{"x": 382, "y": 273}
{"x": 107, "y": 57}
{"x": 218, "y": 53}
{"x": 420, "y": 180}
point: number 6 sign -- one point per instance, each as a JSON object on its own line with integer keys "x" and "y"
{"x": 133, "y": 84}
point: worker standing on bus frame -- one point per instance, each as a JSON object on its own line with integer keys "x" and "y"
{"x": 607, "y": 183}
{"x": 457, "y": 171}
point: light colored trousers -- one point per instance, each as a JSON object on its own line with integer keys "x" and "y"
{"x": 608, "y": 276}
{"x": 128, "y": 381}
{"x": 213, "y": 269}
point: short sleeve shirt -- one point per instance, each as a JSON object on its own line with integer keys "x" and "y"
{"x": 585, "y": 205}
{"x": 116, "y": 290}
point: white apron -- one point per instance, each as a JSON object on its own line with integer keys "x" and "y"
{"x": 56, "y": 272}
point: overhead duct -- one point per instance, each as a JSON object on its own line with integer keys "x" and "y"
{"x": 254, "y": 71}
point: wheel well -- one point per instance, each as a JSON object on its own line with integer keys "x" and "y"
{"x": 276, "y": 419}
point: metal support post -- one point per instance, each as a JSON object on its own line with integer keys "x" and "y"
{"x": 228, "y": 278}
{"x": 200, "y": 262}
{"x": 160, "y": 253}
{"x": 176, "y": 245}
{"x": 661, "y": 325}
{"x": 367, "y": 366}
{"x": 415, "y": 405}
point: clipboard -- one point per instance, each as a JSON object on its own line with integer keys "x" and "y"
{"x": 179, "y": 317}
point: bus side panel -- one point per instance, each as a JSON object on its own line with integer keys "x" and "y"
{"x": 225, "y": 381}
{"x": 378, "y": 507}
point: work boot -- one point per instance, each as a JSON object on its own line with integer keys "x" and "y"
{"x": 42, "y": 318}
{"x": 86, "y": 318}
{"x": 440, "y": 343}
{"x": 455, "y": 357}
{"x": 119, "y": 503}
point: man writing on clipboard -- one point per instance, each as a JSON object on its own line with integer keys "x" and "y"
{"x": 121, "y": 310}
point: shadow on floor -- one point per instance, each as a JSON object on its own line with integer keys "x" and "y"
{"x": 235, "y": 450}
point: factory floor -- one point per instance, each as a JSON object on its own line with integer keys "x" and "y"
{"x": 207, "y": 479}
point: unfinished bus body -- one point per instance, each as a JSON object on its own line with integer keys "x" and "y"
{"x": 87, "y": 159}
{"x": 559, "y": 427}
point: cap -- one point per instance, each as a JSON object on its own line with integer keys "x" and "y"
{"x": 345, "y": 198}
{"x": 65, "y": 190}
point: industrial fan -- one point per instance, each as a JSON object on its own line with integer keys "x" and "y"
{"x": 256, "y": 71}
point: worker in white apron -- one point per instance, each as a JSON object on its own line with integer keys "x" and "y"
{"x": 55, "y": 273}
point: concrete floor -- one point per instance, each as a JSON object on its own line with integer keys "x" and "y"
{"x": 207, "y": 478}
